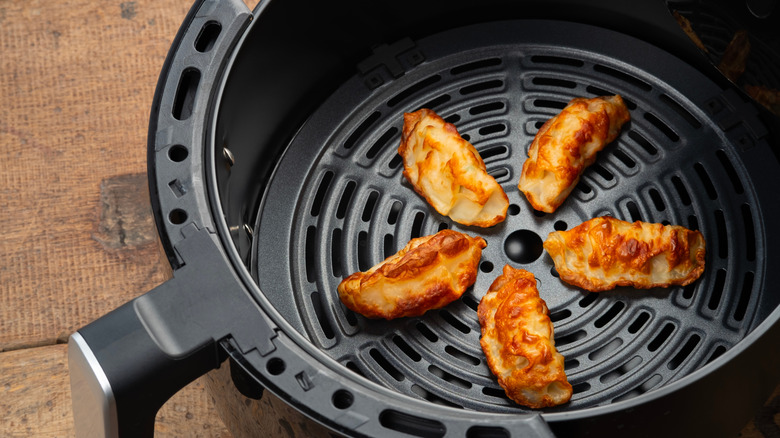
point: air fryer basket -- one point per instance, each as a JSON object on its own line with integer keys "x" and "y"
{"x": 274, "y": 174}
{"x": 334, "y": 202}
{"x": 337, "y": 203}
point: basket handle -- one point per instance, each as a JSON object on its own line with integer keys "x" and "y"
{"x": 120, "y": 376}
{"x": 125, "y": 365}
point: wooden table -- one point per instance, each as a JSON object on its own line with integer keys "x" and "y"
{"x": 78, "y": 240}
{"x": 76, "y": 86}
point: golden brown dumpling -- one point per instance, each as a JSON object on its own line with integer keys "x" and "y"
{"x": 448, "y": 171}
{"x": 517, "y": 338}
{"x": 769, "y": 97}
{"x": 605, "y": 252}
{"x": 686, "y": 26}
{"x": 735, "y": 55}
{"x": 565, "y": 145}
{"x": 428, "y": 273}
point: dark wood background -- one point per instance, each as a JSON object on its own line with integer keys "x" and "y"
{"x": 78, "y": 240}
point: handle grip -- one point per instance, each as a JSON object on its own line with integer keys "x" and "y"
{"x": 126, "y": 364}
{"x": 119, "y": 371}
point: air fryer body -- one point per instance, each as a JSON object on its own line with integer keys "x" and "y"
{"x": 273, "y": 174}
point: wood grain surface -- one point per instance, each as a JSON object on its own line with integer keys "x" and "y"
{"x": 76, "y": 86}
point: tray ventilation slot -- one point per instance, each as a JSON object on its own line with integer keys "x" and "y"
{"x": 641, "y": 319}
{"x": 388, "y": 246}
{"x": 588, "y": 299}
{"x": 381, "y": 143}
{"x": 335, "y": 252}
{"x": 610, "y": 314}
{"x": 449, "y": 378}
{"x": 368, "y": 209}
{"x": 361, "y": 130}
{"x": 454, "y": 322}
{"x": 417, "y": 225}
{"x": 557, "y": 60}
{"x": 548, "y": 104}
{"x": 462, "y": 356}
{"x": 322, "y": 191}
{"x": 386, "y": 365}
{"x": 621, "y": 370}
{"x": 606, "y": 350}
{"x": 570, "y": 338}
{"x": 407, "y": 349}
{"x": 730, "y": 171}
{"x": 436, "y": 102}
{"x": 346, "y": 197}
{"x": 412, "y": 90}
{"x": 560, "y": 315}
{"x": 658, "y": 201}
{"x": 482, "y": 86}
{"x": 624, "y": 158}
{"x": 431, "y": 397}
{"x": 427, "y": 333}
{"x": 497, "y": 392}
{"x": 679, "y": 109}
{"x": 553, "y": 82}
{"x": 643, "y": 143}
{"x": 717, "y": 290}
{"x": 321, "y": 314}
{"x": 477, "y": 65}
{"x": 662, "y": 336}
{"x": 723, "y": 242}
{"x": 704, "y": 177}
{"x": 750, "y": 233}
{"x": 663, "y": 127}
{"x": 364, "y": 252}
{"x": 487, "y": 108}
{"x": 686, "y": 350}
{"x": 310, "y": 254}
{"x": 581, "y": 387}
{"x": 682, "y": 192}
{"x": 411, "y": 424}
{"x": 623, "y": 76}
{"x": 648, "y": 384}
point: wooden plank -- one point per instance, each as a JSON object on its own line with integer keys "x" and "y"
{"x": 76, "y": 83}
{"x": 35, "y": 400}
{"x": 76, "y": 86}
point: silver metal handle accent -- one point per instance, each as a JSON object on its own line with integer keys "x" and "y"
{"x": 94, "y": 406}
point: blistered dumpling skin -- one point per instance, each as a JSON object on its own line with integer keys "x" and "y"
{"x": 428, "y": 273}
{"x": 517, "y": 339}
{"x": 448, "y": 172}
{"x": 565, "y": 145}
{"x": 604, "y": 252}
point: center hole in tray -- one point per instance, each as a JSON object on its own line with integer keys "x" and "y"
{"x": 523, "y": 246}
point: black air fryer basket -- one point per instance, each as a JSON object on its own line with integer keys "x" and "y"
{"x": 274, "y": 175}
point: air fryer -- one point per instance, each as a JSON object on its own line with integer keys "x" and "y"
{"x": 274, "y": 174}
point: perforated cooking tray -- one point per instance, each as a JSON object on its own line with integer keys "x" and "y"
{"x": 340, "y": 181}
{"x": 267, "y": 197}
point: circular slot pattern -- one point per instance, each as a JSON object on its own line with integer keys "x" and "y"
{"x": 353, "y": 208}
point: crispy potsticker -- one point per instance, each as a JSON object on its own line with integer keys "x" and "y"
{"x": 448, "y": 171}
{"x": 428, "y": 273}
{"x": 517, "y": 339}
{"x": 565, "y": 145}
{"x": 604, "y": 252}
